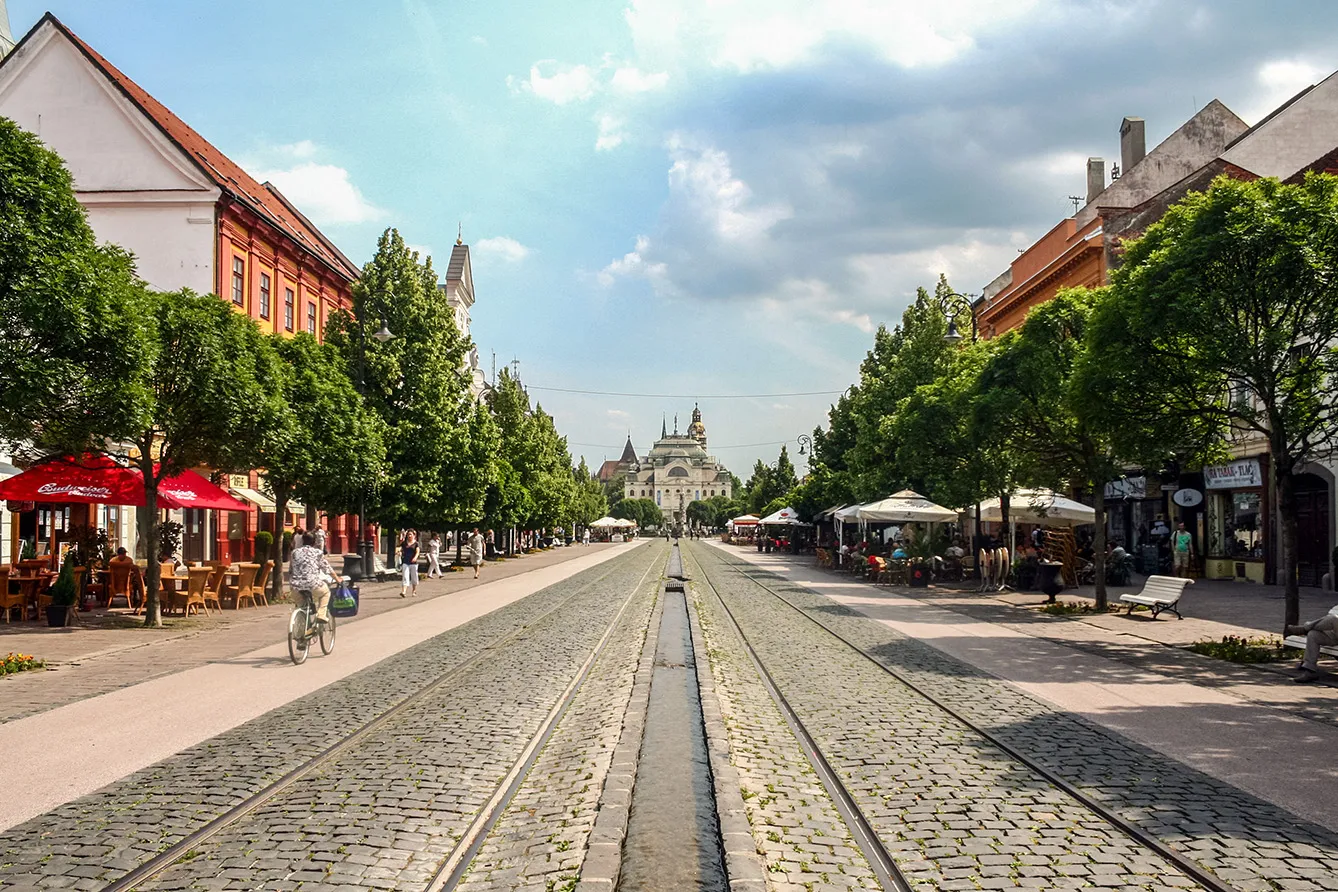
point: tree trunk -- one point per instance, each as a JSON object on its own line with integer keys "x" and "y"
{"x": 459, "y": 544}
{"x": 1284, "y": 486}
{"x": 1099, "y": 542}
{"x": 276, "y": 575}
{"x": 1005, "y": 506}
{"x": 153, "y": 613}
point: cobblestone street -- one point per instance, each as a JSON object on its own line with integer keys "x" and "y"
{"x": 503, "y": 754}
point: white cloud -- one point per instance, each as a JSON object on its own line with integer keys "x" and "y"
{"x": 302, "y": 150}
{"x": 1280, "y": 80}
{"x": 324, "y": 192}
{"x": 503, "y": 248}
{"x": 634, "y": 80}
{"x": 575, "y": 83}
{"x": 611, "y": 133}
{"x": 632, "y": 264}
{"x": 479, "y": 39}
{"x": 755, "y": 35}
{"x": 703, "y": 177}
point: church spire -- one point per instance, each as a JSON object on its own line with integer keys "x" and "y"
{"x": 664, "y": 427}
{"x": 6, "y": 36}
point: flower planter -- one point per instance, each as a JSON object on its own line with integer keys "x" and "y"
{"x": 57, "y": 615}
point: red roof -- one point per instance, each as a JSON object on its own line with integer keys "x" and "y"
{"x": 262, "y": 200}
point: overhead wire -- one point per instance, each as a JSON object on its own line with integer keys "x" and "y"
{"x": 687, "y": 396}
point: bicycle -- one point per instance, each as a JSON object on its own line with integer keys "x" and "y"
{"x": 303, "y": 627}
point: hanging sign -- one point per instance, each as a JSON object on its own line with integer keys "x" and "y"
{"x": 1127, "y": 488}
{"x": 1188, "y": 498}
{"x": 239, "y": 481}
{"x": 1233, "y": 475}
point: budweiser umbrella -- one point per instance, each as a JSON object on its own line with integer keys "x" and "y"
{"x": 98, "y": 479}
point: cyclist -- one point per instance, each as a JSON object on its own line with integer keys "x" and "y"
{"x": 309, "y": 570}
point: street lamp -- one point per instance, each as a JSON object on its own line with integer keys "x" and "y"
{"x": 805, "y": 443}
{"x": 954, "y": 305}
{"x": 366, "y": 550}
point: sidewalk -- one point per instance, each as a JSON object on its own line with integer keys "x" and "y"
{"x": 1249, "y": 727}
{"x": 82, "y": 746}
{"x": 84, "y": 661}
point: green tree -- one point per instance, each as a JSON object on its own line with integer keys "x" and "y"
{"x": 590, "y": 503}
{"x": 756, "y": 491}
{"x": 417, "y": 383}
{"x": 1224, "y": 320}
{"x": 332, "y": 453}
{"x": 645, "y": 512}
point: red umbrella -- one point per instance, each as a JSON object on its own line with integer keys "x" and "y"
{"x": 187, "y": 489}
{"x": 98, "y": 479}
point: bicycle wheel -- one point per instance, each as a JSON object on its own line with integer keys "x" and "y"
{"x": 299, "y": 641}
{"x": 327, "y": 635}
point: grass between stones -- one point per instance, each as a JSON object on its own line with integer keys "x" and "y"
{"x": 1268, "y": 649}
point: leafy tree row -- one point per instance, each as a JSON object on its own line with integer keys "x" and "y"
{"x": 1218, "y": 326}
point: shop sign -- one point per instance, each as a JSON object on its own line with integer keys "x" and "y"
{"x": 1127, "y": 488}
{"x": 1233, "y": 475}
{"x": 239, "y": 481}
{"x": 1188, "y": 498}
{"x": 74, "y": 490}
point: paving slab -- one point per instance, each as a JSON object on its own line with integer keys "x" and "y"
{"x": 1242, "y": 733}
{"x": 79, "y": 747}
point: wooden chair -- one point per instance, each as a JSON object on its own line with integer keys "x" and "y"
{"x": 213, "y": 587}
{"x": 167, "y": 584}
{"x": 120, "y": 583}
{"x": 11, "y": 599}
{"x": 195, "y": 593}
{"x": 244, "y": 590}
{"x": 261, "y": 581}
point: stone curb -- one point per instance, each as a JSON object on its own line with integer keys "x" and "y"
{"x": 604, "y": 852}
{"x": 743, "y": 865}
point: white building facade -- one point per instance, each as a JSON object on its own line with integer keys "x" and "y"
{"x": 678, "y": 471}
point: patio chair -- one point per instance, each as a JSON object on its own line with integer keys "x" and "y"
{"x": 194, "y": 595}
{"x": 896, "y": 572}
{"x": 261, "y": 581}
{"x": 119, "y": 583}
{"x": 244, "y": 590}
{"x": 213, "y": 586}
{"x": 10, "y": 598}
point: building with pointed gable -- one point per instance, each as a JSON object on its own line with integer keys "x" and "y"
{"x": 678, "y": 470}
{"x": 458, "y": 289}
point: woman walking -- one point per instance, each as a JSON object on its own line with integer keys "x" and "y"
{"x": 409, "y": 564}
{"x": 476, "y": 551}
{"x": 434, "y": 557}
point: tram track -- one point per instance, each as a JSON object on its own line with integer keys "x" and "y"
{"x": 453, "y": 866}
{"x": 861, "y": 827}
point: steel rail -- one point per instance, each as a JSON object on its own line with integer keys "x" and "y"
{"x": 165, "y": 859}
{"x": 1189, "y": 867}
{"x": 866, "y": 838}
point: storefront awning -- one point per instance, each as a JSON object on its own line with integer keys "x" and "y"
{"x": 297, "y": 509}
{"x": 255, "y": 497}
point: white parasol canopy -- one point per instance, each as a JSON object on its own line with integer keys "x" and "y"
{"x": 625, "y": 524}
{"x": 608, "y": 523}
{"x": 785, "y": 516}
{"x": 1040, "y": 506}
{"x": 745, "y": 520}
{"x": 846, "y": 514}
{"x": 906, "y": 506}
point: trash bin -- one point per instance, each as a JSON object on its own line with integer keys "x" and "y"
{"x": 1051, "y": 581}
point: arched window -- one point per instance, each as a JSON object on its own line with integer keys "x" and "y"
{"x": 677, "y": 472}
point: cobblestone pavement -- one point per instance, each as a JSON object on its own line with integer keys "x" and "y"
{"x": 1250, "y": 843}
{"x": 381, "y": 815}
{"x": 118, "y": 651}
{"x": 796, "y": 828}
{"x": 539, "y": 844}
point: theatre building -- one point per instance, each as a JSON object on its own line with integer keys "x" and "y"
{"x": 193, "y": 218}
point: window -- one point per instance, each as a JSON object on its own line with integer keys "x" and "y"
{"x": 239, "y": 281}
{"x": 311, "y": 318}
{"x": 288, "y": 308}
{"x": 264, "y": 295}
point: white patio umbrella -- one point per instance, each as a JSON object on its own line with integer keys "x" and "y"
{"x": 1039, "y": 506}
{"x": 625, "y": 524}
{"x": 607, "y": 523}
{"x": 783, "y": 517}
{"x": 745, "y": 520}
{"x": 906, "y": 506}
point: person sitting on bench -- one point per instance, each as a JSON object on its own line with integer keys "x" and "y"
{"x": 1322, "y": 632}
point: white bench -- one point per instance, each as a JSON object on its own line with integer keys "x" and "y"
{"x": 1159, "y": 593}
{"x": 1298, "y": 641}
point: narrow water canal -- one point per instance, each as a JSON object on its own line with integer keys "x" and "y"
{"x": 673, "y": 834}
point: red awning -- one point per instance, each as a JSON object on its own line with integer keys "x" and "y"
{"x": 98, "y": 479}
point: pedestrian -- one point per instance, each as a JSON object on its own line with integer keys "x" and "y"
{"x": 1182, "y": 549}
{"x": 1322, "y": 632}
{"x": 309, "y": 570}
{"x": 585, "y": 536}
{"x": 434, "y": 557}
{"x": 320, "y": 537}
{"x": 409, "y": 564}
{"x": 476, "y": 545}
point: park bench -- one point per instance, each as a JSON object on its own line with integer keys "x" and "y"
{"x": 1298, "y": 641}
{"x": 1159, "y": 593}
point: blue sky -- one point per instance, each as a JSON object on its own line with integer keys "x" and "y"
{"x": 696, "y": 197}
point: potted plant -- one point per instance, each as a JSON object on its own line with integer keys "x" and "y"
{"x": 169, "y": 539}
{"x": 922, "y": 544}
{"x": 264, "y": 542}
{"x": 90, "y": 548}
{"x": 63, "y": 595}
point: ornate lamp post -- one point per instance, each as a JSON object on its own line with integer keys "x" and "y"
{"x": 954, "y": 306}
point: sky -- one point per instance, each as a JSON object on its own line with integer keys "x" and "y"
{"x": 699, "y": 200}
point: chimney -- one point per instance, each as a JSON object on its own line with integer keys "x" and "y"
{"x": 1133, "y": 143}
{"x": 1096, "y": 178}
